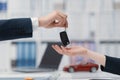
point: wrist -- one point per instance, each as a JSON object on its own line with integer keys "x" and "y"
{"x": 99, "y": 58}
{"x": 42, "y": 22}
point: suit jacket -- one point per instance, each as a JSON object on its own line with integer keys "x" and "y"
{"x": 112, "y": 65}
{"x": 15, "y": 28}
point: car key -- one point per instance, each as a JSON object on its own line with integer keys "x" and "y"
{"x": 64, "y": 38}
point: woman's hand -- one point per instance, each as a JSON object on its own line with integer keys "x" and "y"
{"x": 81, "y": 51}
{"x": 72, "y": 51}
{"x": 54, "y": 19}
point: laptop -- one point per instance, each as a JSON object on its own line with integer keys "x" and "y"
{"x": 50, "y": 61}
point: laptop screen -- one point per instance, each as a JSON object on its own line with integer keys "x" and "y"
{"x": 51, "y": 59}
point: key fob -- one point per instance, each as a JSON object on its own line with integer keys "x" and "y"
{"x": 64, "y": 38}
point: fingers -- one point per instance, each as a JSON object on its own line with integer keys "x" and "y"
{"x": 62, "y": 50}
{"x": 66, "y": 51}
{"x": 59, "y": 21}
{"x": 62, "y": 19}
{"x": 66, "y": 24}
{"x": 72, "y": 51}
{"x": 57, "y": 49}
{"x": 64, "y": 16}
{"x": 49, "y": 21}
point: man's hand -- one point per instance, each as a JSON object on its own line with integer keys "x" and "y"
{"x": 55, "y": 19}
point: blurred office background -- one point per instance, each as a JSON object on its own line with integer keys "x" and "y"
{"x": 94, "y": 24}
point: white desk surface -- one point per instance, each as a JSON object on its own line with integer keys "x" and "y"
{"x": 62, "y": 75}
{"x": 20, "y": 74}
{"x": 88, "y": 75}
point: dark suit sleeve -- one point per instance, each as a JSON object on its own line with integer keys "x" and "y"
{"x": 112, "y": 65}
{"x": 15, "y": 28}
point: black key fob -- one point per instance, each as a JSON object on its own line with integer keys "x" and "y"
{"x": 64, "y": 38}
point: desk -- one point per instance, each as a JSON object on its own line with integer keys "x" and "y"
{"x": 88, "y": 75}
{"x": 62, "y": 76}
{"x": 21, "y": 76}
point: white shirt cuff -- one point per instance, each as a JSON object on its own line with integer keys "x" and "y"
{"x": 35, "y": 23}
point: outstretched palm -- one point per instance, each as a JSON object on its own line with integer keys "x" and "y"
{"x": 71, "y": 51}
